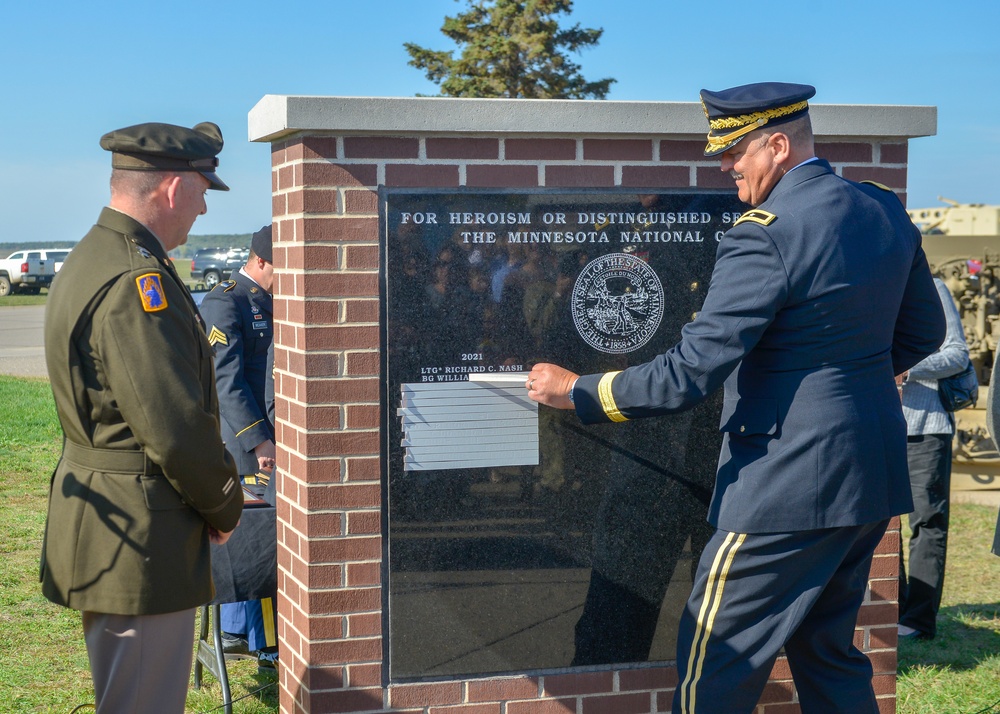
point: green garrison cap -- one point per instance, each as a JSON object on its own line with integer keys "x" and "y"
{"x": 165, "y": 147}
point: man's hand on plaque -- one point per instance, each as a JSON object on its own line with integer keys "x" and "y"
{"x": 549, "y": 384}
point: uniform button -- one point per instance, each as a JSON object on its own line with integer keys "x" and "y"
{"x": 742, "y": 429}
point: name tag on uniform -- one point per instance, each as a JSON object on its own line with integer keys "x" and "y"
{"x": 260, "y": 325}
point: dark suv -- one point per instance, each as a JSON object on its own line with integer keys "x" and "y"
{"x": 210, "y": 265}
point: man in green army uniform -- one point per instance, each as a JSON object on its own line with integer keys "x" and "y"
{"x": 144, "y": 483}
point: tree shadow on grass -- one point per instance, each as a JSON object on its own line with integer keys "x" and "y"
{"x": 966, "y": 635}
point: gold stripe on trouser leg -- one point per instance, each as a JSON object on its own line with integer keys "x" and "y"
{"x": 267, "y": 612}
{"x": 706, "y": 617}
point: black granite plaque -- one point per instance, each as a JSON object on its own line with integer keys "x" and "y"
{"x": 517, "y": 538}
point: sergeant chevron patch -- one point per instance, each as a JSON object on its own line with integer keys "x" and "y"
{"x": 217, "y": 337}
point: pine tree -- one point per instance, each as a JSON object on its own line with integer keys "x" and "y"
{"x": 511, "y": 48}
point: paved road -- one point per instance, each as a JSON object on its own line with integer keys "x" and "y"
{"x": 22, "y": 346}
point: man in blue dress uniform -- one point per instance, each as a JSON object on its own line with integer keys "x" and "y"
{"x": 820, "y": 295}
{"x": 238, "y": 319}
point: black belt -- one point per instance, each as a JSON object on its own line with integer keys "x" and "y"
{"x": 112, "y": 461}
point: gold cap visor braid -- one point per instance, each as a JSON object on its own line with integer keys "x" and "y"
{"x": 743, "y": 124}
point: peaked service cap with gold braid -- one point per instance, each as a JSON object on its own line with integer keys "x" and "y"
{"x": 734, "y": 113}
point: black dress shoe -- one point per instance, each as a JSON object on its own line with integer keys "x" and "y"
{"x": 267, "y": 660}
{"x": 909, "y": 633}
{"x": 234, "y": 644}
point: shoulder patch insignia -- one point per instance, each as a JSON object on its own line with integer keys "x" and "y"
{"x": 227, "y": 285}
{"x": 756, "y": 216}
{"x": 151, "y": 292}
{"x": 876, "y": 184}
{"x": 217, "y": 337}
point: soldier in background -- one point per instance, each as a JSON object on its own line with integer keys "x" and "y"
{"x": 238, "y": 318}
{"x": 144, "y": 483}
{"x": 929, "y": 433}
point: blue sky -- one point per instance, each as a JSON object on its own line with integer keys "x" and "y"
{"x": 73, "y": 71}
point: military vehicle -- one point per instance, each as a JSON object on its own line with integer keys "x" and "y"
{"x": 962, "y": 243}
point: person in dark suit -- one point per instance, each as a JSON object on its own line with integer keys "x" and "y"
{"x": 238, "y": 316}
{"x": 820, "y": 295}
{"x": 144, "y": 483}
{"x": 929, "y": 432}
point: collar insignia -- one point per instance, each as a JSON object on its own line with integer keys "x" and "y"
{"x": 756, "y": 216}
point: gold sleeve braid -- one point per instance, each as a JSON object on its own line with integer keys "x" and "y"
{"x": 608, "y": 399}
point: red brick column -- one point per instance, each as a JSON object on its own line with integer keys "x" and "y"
{"x": 328, "y": 412}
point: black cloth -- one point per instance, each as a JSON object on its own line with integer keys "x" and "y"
{"x": 246, "y": 567}
{"x": 647, "y": 515}
{"x": 929, "y": 459}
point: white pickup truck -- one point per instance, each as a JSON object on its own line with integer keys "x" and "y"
{"x": 26, "y": 271}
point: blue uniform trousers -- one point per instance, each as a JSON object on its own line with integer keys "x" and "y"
{"x": 257, "y": 620}
{"x": 756, "y": 593}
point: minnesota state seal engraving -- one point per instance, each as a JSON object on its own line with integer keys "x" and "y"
{"x": 617, "y": 303}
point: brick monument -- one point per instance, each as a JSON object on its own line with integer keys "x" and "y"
{"x": 336, "y": 163}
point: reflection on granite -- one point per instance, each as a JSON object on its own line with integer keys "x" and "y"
{"x": 585, "y": 558}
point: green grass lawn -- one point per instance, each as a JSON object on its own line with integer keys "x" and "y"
{"x": 45, "y": 664}
{"x": 959, "y": 670}
{"x": 17, "y": 300}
